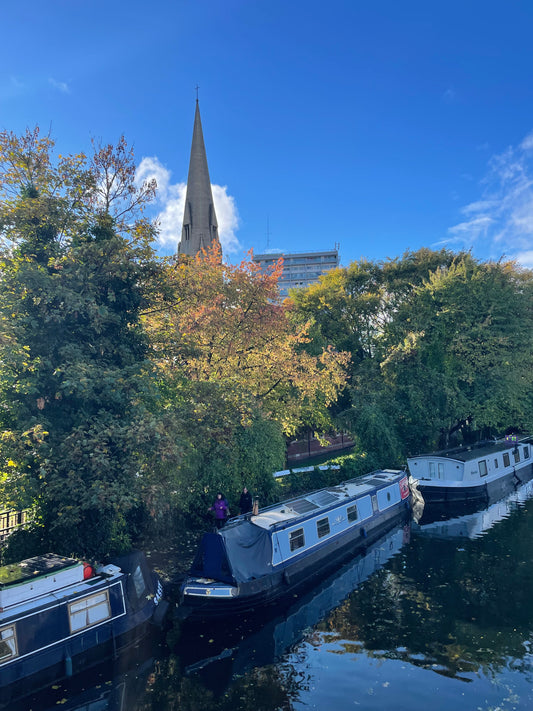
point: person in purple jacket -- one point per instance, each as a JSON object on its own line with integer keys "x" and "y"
{"x": 221, "y": 509}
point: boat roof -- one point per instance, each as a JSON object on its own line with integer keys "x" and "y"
{"x": 476, "y": 451}
{"x": 321, "y": 499}
{"x": 33, "y": 568}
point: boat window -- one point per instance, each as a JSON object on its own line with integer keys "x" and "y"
{"x": 482, "y": 467}
{"x": 351, "y": 513}
{"x": 506, "y": 460}
{"x": 441, "y": 470}
{"x": 432, "y": 470}
{"x": 138, "y": 581}
{"x": 322, "y": 527}
{"x": 495, "y": 463}
{"x": 89, "y": 611}
{"x": 8, "y": 644}
{"x": 526, "y": 452}
{"x": 516, "y": 454}
{"x": 296, "y": 539}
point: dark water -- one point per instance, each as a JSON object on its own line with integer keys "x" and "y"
{"x": 437, "y": 616}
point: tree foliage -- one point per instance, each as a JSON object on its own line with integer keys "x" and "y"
{"x": 75, "y": 379}
{"x": 441, "y": 348}
{"x": 223, "y": 324}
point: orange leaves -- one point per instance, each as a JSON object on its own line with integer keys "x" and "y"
{"x": 223, "y": 323}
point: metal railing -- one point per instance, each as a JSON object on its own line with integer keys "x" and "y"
{"x": 11, "y": 520}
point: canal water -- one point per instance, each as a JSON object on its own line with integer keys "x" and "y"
{"x": 435, "y": 616}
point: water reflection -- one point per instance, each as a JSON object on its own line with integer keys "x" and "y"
{"x": 441, "y": 618}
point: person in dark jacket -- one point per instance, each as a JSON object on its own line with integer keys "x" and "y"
{"x": 221, "y": 509}
{"x": 245, "y": 502}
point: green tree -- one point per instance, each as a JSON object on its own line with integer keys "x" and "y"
{"x": 76, "y": 382}
{"x": 459, "y": 359}
{"x": 440, "y": 344}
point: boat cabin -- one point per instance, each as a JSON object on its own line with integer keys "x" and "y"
{"x": 470, "y": 465}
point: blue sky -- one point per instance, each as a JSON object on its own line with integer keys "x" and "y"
{"x": 380, "y": 126}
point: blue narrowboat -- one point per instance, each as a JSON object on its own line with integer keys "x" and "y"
{"x": 59, "y": 615}
{"x": 478, "y": 473}
{"x": 256, "y": 559}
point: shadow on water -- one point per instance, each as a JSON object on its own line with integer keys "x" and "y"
{"x": 447, "y": 600}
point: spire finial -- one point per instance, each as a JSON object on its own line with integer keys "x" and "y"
{"x": 197, "y": 87}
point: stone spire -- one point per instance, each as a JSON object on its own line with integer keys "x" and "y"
{"x": 200, "y": 228}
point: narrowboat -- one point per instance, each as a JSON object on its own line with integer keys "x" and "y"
{"x": 481, "y": 472}
{"x": 59, "y": 615}
{"x": 258, "y": 558}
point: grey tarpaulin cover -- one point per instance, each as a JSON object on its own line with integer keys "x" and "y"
{"x": 242, "y": 547}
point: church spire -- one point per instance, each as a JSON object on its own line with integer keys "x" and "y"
{"x": 200, "y": 227}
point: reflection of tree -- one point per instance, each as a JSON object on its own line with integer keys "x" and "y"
{"x": 263, "y": 689}
{"x": 458, "y": 605}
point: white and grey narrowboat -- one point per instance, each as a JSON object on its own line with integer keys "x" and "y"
{"x": 256, "y": 559}
{"x": 59, "y": 616}
{"x": 481, "y": 472}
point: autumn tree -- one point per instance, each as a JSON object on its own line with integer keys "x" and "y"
{"x": 232, "y": 357}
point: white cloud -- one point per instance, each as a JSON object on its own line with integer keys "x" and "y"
{"x": 170, "y": 202}
{"x": 525, "y": 258}
{"x": 527, "y": 143}
{"x": 59, "y": 85}
{"x": 501, "y": 221}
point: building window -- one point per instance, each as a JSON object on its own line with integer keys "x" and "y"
{"x": 516, "y": 454}
{"x": 482, "y": 468}
{"x": 351, "y": 513}
{"x": 297, "y": 539}
{"x": 506, "y": 460}
{"x": 8, "y": 644}
{"x": 322, "y": 527}
{"x": 89, "y": 611}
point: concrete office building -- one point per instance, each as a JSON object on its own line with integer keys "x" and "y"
{"x": 300, "y": 269}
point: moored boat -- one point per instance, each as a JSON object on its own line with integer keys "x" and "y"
{"x": 480, "y": 472}
{"x": 59, "y": 615}
{"x": 256, "y": 559}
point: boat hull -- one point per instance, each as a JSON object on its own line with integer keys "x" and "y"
{"x": 478, "y": 493}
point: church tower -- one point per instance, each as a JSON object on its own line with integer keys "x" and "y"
{"x": 200, "y": 228}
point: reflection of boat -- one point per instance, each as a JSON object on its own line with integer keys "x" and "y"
{"x": 472, "y": 525}
{"x": 106, "y": 687}
{"x": 59, "y": 615}
{"x": 256, "y": 559}
{"x": 477, "y": 473}
{"x": 269, "y": 643}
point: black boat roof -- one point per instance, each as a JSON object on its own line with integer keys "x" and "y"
{"x": 32, "y": 568}
{"x": 476, "y": 451}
